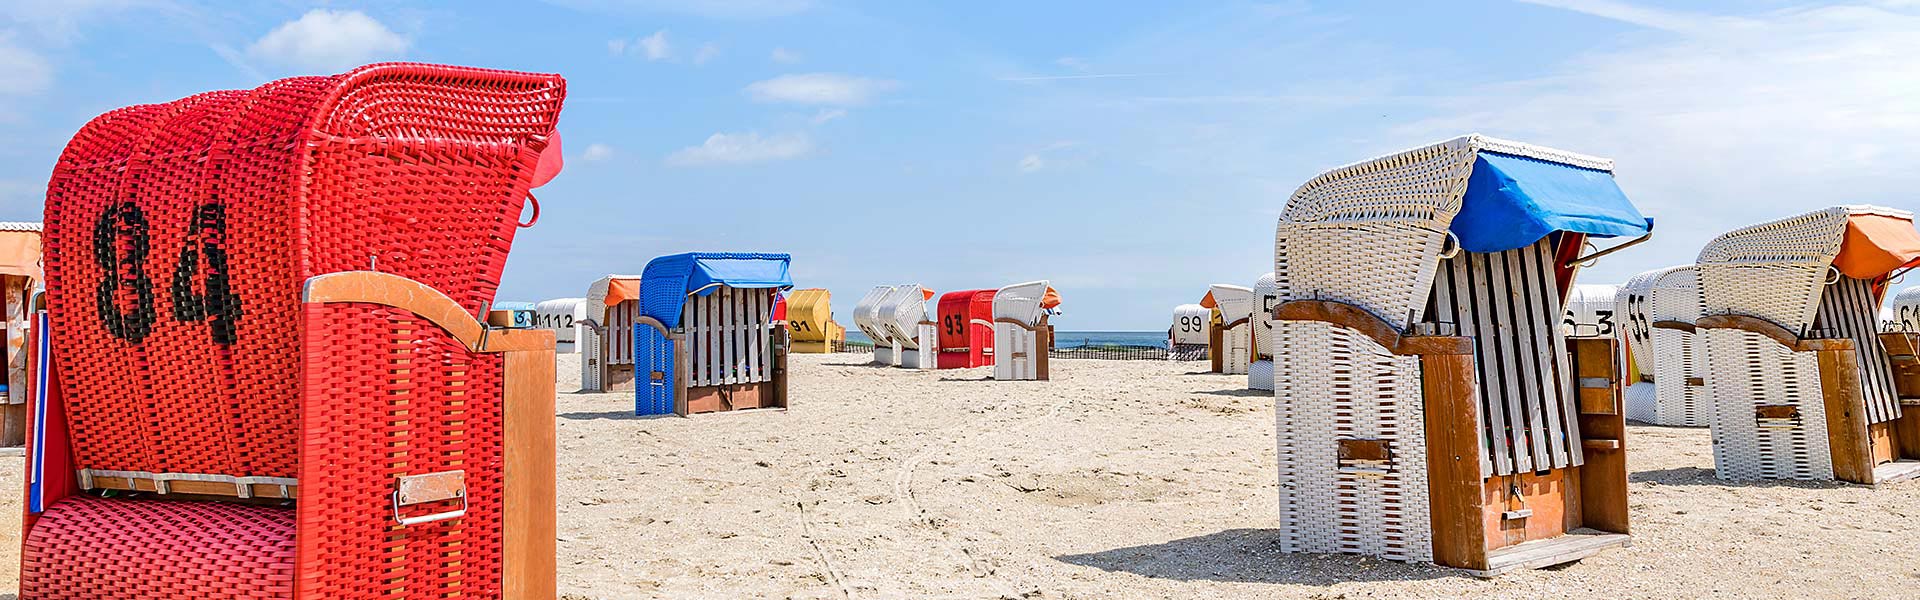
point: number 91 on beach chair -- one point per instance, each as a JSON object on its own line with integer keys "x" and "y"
{"x": 230, "y": 402}
{"x": 1802, "y": 383}
{"x": 706, "y": 339}
{"x": 1433, "y": 407}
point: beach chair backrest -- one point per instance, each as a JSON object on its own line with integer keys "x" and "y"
{"x": 1906, "y": 310}
{"x": 901, "y": 313}
{"x": 1668, "y": 358}
{"x": 1020, "y": 301}
{"x": 809, "y": 314}
{"x": 1266, "y": 294}
{"x": 729, "y": 336}
{"x": 1774, "y": 270}
{"x": 1191, "y": 324}
{"x": 965, "y": 321}
{"x": 1590, "y": 312}
{"x": 866, "y": 315}
{"x": 1850, "y": 309}
{"x": 565, "y": 317}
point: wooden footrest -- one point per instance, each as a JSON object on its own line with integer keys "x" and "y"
{"x": 1578, "y": 544}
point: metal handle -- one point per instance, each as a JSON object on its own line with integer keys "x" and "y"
{"x": 439, "y": 516}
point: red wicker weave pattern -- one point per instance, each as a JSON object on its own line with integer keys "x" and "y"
{"x": 87, "y": 548}
{"x": 420, "y": 169}
{"x": 391, "y": 395}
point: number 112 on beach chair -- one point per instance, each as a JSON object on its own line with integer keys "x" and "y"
{"x": 1434, "y": 408}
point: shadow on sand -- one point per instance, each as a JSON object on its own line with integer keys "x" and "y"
{"x": 1250, "y": 556}
{"x": 1243, "y": 393}
{"x": 1700, "y": 476}
{"x": 612, "y": 415}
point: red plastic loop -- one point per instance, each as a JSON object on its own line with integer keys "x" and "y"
{"x": 536, "y": 211}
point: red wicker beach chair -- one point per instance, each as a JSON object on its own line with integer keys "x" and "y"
{"x": 266, "y": 374}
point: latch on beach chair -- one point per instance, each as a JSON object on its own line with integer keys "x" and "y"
{"x": 232, "y": 403}
{"x": 1801, "y": 381}
{"x": 1433, "y": 409}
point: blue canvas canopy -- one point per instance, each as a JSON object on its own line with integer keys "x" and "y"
{"x": 1513, "y": 201}
{"x": 668, "y": 280}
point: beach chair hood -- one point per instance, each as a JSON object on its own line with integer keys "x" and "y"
{"x": 1777, "y": 270}
{"x": 668, "y": 280}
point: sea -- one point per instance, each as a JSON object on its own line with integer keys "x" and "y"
{"x": 1075, "y": 339}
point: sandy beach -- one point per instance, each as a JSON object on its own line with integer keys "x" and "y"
{"x": 1114, "y": 480}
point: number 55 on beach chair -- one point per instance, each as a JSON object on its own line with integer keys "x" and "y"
{"x": 1657, "y": 310}
{"x": 260, "y": 371}
{"x": 1803, "y": 385}
{"x": 1434, "y": 408}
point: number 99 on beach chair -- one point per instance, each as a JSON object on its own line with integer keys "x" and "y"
{"x": 231, "y": 403}
{"x": 706, "y": 339}
{"x": 1803, "y": 385}
{"x": 1434, "y": 408}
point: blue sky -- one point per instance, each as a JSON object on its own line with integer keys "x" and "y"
{"x": 1132, "y": 152}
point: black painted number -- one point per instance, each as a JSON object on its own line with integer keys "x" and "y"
{"x": 215, "y": 301}
{"x": 120, "y": 246}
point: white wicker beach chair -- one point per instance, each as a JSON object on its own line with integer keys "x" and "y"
{"x": 1906, "y": 311}
{"x": 1021, "y": 335}
{"x": 566, "y": 318}
{"x": 1590, "y": 311}
{"x": 1230, "y": 347}
{"x": 866, "y": 318}
{"x": 1656, "y": 312}
{"x": 1430, "y": 407}
{"x": 1260, "y": 373}
{"x": 1800, "y": 385}
{"x": 910, "y": 330}
{"x": 606, "y": 341}
{"x": 1192, "y": 328}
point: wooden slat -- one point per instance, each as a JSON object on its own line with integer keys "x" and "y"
{"x": 1563, "y": 373}
{"x": 1538, "y": 326}
{"x": 1850, "y": 309}
{"x": 756, "y": 333}
{"x": 529, "y": 506}
{"x": 1441, "y": 308}
{"x": 729, "y": 349}
{"x": 1473, "y": 289}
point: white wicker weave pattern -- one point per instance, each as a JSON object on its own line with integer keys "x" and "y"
{"x": 1670, "y": 356}
{"x": 1235, "y": 303}
{"x": 1773, "y": 270}
{"x": 1016, "y": 351}
{"x": 1266, "y": 295}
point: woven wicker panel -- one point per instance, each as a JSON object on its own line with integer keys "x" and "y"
{"x": 1850, "y": 309}
{"x": 179, "y": 235}
{"x": 1509, "y": 302}
{"x": 391, "y": 395}
{"x": 1906, "y": 310}
{"x": 1324, "y": 508}
{"x": 1745, "y": 370}
{"x": 1266, "y": 293}
{"x": 96, "y": 548}
{"x": 1670, "y": 356}
{"x": 1773, "y": 270}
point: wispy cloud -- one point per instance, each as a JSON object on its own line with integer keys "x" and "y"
{"x": 742, "y": 148}
{"x": 1032, "y": 163}
{"x": 820, "y": 88}
{"x": 784, "y": 56}
{"x": 1084, "y": 76}
{"x": 22, "y": 71}
{"x": 596, "y": 152}
{"x": 329, "y": 40}
{"x": 1643, "y": 16}
{"x": 655, "y": 47}
{"x": 827, "y": 114}
{"x": 707, "y": 52}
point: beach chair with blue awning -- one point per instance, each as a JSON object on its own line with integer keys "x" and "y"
{"x": 1432, "y": 408}
{"x": 1803, "y": 384}
{"x": 706, "y": 339}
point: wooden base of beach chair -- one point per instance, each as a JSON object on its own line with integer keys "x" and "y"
{"x": 1490, "y": 525}
{"x": 734, "y": 397}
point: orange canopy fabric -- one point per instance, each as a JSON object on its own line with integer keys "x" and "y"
{"x": 926, "y": 294}
{"x": 622, "y": 290}
{"x": 1052, "y": 298}
{"x": 1876, "y": 245}
{"x": 1208, "y": 302}
{"x": 20, "y": 253}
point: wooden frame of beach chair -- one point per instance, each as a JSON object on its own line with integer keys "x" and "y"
{"x": 910, "y": 330}
{"x": 1801, "y": 382}
{"x": 1656, "y": 312}
{"x": 231, "y": 404}
{"x": 866, "y": 318}
{"x": 1429, "y": 415}
{"x": 810, "y": 322}
{"x": 1022, "y": 338}
{"x": 606, "y": 349}
{"x": 705, "y": 340}
{"x": 566, "y": 318}
{"x": 966, "y": 329}
{"x": 19, "y": 272}
{"x": 1260, "y": 373}
{"x": 1230, "y": 340}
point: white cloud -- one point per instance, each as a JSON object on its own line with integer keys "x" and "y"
{"x": 22, "y": 71}
{"x": 329, "y": 40}
{"x": 655, "y": 47}
{"x": 596, "y": 153}
{"x": 1032, "y": 163}
{"x": 820, "y": 88}
{"x": 741, "y": 148}
{"x": 1725, "y": 121}
{"x": 1071, "y": 63}
{"x": 617, "y": 47}
{"x": 785, "y": 56}
{"x": 827, "y": 114}
{"x": 707, "y": 52}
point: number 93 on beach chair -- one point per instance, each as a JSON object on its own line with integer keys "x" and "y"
{"x": 261, "y": 372}
{"x": 1433, "y": 408}
{"x": 706, "y": 339}
{"x": 1802, "y": 383}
